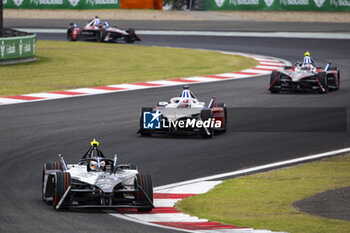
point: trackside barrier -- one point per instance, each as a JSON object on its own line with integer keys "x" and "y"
{"x": 61, "y": 4}
{"x": 293, "y": 5}
{"x": 17, "y": 46}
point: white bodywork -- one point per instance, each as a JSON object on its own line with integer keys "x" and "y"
{"x": 185, "y": 105}
{"x": 104, "y": 180}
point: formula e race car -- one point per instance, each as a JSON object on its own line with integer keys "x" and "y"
{"x": 96, "y": 182}
{"x": 305, "y": 76}
{"x": 184, "y": 115}
{"x": 95, "y": 30}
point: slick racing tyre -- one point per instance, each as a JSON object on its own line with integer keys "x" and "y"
{"x": 222, "y": 105}
{"x": 338, "y": 86}
{"x": 144, "y": 181}
{"x": 100, "y": 35}
{"x": 131, "y": 37}
{"x": 69, "y": 34}
{"x": 322, "y": 78}
{"x": 57, "y": 166}
{"x": 275, "y": 81}
{"x": 62, "y": 182}
{"x": 144, "y": 132}
{"x": 337, "y": 78}
{"x": 206, "y": 114}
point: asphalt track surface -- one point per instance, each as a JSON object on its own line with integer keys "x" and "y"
{"x": 36, "y": 132}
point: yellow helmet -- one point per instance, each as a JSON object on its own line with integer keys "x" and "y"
{"x": 95, "y": 143}
{"x": 307, "y": 53}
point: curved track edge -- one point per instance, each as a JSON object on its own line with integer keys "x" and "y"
{"x": 265, "y": 66}
{"x": 166, "y": 196}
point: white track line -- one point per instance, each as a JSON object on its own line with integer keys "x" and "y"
{"x": 270, "y": 62}
{"x": 256, "y": 169}
{"x": 202, "y": 185}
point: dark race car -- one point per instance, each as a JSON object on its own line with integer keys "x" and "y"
{"x": 99, "y": 32}
{"x": 96, "y": 182}
{"x": 184, "y": 115}
{"x": 306, "y": 76}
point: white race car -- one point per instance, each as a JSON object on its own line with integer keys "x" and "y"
{"x": 96, "y": 182}
{"x": 184, "y": 114}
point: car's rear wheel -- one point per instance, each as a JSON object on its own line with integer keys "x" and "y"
{"x": 143, "y": 131}
{"x": 62, "y": 182}
{"x": 99, "y": 35}
{"x": 275, "y": 81}
{"x": 206, "y": 114}
{"x": 144, "y": 182}
{"x": 131, "y": 37}
{"x": 49, "y": 166}
{"x": 222, "y": 105}
{"x": 322, "y": 78}
{"x": 69, "y": 34}
{"x": 338, "y": 77}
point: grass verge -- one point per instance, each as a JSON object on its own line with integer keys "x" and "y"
{"x": 67, "y": 65}
{"x": 265, "y": 200}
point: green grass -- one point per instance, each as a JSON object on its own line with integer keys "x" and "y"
{"x": 67, "y": 65}
{"x": 264, "y": 200}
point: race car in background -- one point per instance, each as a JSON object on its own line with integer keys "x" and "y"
{"x": 184, "y": 115}
{"x": 96, "y": 182}
{"x": 304, "y": 76}
{"x": 100, "y": 32}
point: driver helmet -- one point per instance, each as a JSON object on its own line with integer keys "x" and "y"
{"x": 106, "y": 24}
{"x": 185, "y": 103}
{"x": 97, "y": 20}
{"x": 97, "y": 165}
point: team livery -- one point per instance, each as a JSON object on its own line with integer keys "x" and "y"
{"x": 96, "y": 182}
{"x": 185, "y": 115}
{"x": 101, "y": 32}
{"x": 305, "y": 75}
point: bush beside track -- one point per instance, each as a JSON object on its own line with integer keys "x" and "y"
{"x": 67, "y": 65}
{"x": 265, "y": 200}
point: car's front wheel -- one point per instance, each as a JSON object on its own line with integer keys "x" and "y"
{"x": 206, "y": 115}
{"x": 144, "y": 195}
{"x": 62, "y": 182}
{"x": 274, "y": 81}
{"x": 322, "y": 78}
